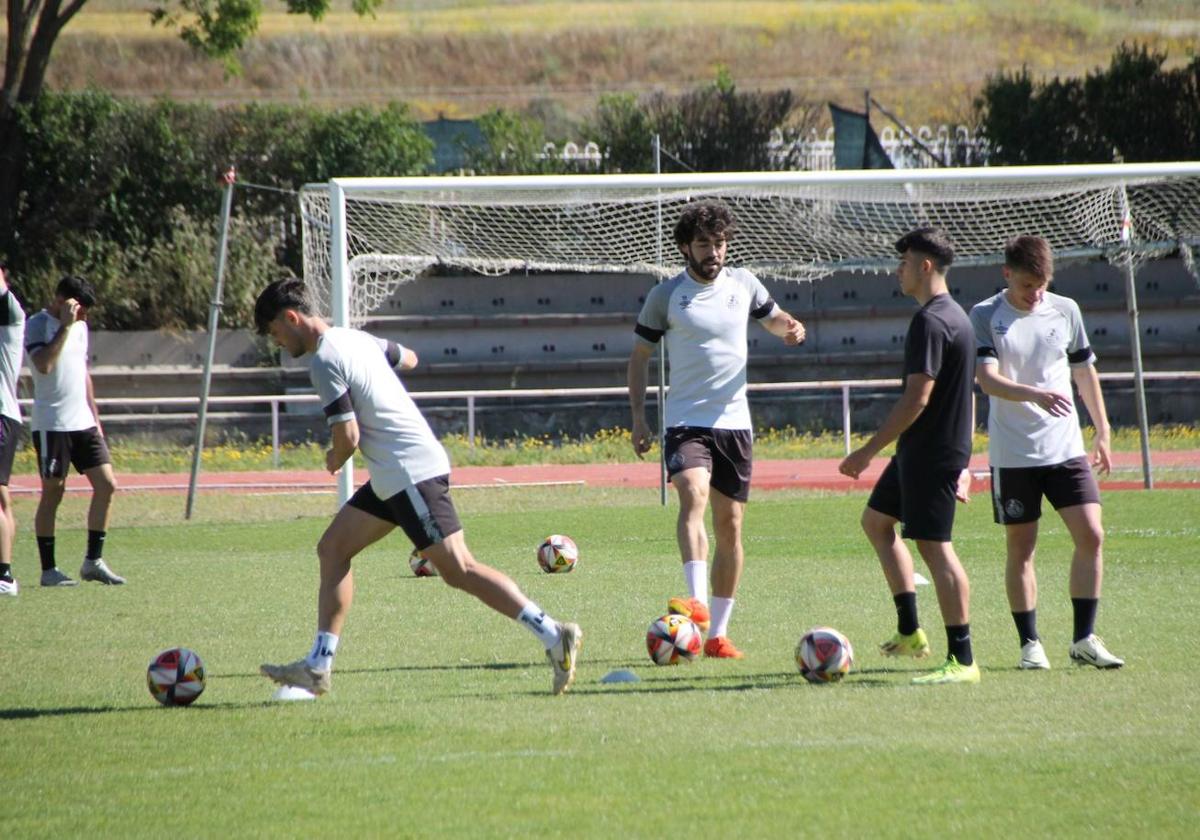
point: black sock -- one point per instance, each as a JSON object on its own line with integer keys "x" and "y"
{"x": 1026, "y": 626}
{"x": 46, "y": 552}
{"x": 958, "y": 640}
{"x": 906, "y": 613}
{"x": 6, "y": 570}
{"x": 95, "y": 549}
{"x": 1085, "y": 616}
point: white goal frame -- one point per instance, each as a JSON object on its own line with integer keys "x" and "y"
{"x": 1120, "y": 234}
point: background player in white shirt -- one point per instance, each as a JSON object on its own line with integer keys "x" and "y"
{"x": 703, "y": 312}
{"x": 1031, "y": 343}
{"x": 66, "y": 427}
{"x": 367, "y": 407}
{"x": 12, "y": 333}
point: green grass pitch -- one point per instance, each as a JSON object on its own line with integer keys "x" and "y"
{"x": 440, "y": 723}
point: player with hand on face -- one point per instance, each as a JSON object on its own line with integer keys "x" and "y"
{"x": 703, "y": 312}
{"x": 368, "y": 409}
{"x": 66, "y": 428}
{"x": 1031, "y": 344}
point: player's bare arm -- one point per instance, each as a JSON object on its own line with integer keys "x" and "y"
{"x": 785, "y": 326}
{"x": 91, "y": 401}
{"x": 917, "y": 388}
{"x": 636, "y": 375}
{"x": 408, "y": 360}
{"x": 996, "y": 385}
{"x": 343, "y": 440}
{"x": 45, "y": 358}
{"x": 1088, "y": 382}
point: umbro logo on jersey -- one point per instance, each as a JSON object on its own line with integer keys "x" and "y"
{"x": 732, "y": 301}
{"x": 684, "y": 301}
{"x": 1000, "y": 328}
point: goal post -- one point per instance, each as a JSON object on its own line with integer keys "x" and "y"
{"x": 364, "y": 237}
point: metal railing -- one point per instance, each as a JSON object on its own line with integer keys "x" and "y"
{"x": 470, "y": 399}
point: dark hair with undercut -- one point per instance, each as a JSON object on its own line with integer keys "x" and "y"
{"x": 77, "y": 288}
{"x": 935, "y": 243}
{"x": 288, "y": 293}
{"x": 708, "y": 217}
{"x": 1030, "y": 254}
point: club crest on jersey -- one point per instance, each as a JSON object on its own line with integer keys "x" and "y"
{"x": 732, "y": 301}
{"x": 684, "y": 301}
{"x": 1000, "y": 328}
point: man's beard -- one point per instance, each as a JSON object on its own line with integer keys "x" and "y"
{"x": 707, "y": 271}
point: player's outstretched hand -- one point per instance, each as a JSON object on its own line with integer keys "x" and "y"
{"x": 1058, "y": 405}
{"x": 795, "y": 333}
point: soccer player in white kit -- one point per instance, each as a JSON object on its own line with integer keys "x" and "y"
{"x": 66, "y": 428}
{"x": 1031, "y": 343}
{"x": 367, "y": 407}
{"x": 703, "y": 312}
{"x": 12, "y": 333}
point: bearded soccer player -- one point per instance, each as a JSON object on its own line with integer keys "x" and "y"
{"x": 703, "y": 313}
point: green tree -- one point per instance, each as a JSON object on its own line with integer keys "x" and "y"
{"x": 217, "y": 28}
{"x": 1133, "y": 110}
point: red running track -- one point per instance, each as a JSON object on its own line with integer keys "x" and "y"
{"x": 816, "y": 473}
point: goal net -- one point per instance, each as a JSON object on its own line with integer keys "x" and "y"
{"x": 364, "y": 237}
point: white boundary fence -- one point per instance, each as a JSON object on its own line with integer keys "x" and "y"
{"x": 470, "y": 399}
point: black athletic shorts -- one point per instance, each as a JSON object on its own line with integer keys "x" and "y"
{"x": 83, "y": 450}
{"x": 10, "y": 430}
{"x": 727, "y": 454}
{"x": 424, "y": 511}
{"x": 1017, "y": 491}
{"x": 921, "y": 498}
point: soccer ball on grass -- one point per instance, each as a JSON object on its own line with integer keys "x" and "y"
{"x": 175, "y": 677}
{"x": 421, "y": 565}
{"x": 824, "y": 655}
{"x": 673, "y": 638}
{"x": 557, "y": 554}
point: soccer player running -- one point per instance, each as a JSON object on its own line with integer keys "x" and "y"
{"x": 704, "y": 312}
{"x": 1031, "y": 344}
{"x": 932, "y": 426}
{"x": 66, "y": 427}
{"x": 367, "y": 407}
{"x": 12, "y": 332}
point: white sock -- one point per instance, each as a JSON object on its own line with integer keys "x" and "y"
{"x": 540, "y": 625}
{"x": 695, "y": 574}
{"x": 320, "y": 658}
{"x": 719, "y": 610}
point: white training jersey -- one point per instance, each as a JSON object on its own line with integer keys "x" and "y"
{"x": 1036, "y": 348}
{"x": 705, "y": 328}
{"x": 355, "y": 380}
{"x": 59, "y": 397}
{"x": 12, "y": 337}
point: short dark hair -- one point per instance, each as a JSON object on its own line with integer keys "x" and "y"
{"x": 709, "y": 217}
{"x": 933, "y": 242}
{"x": 78, "y": 288}
{"x": 1031, "y": 254}
{"x": 287, "y": 293}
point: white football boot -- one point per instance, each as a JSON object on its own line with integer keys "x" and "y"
{"x": 1090, "y": 650}
{"x": 299, "y": 674}
{"x": 1033, "y": 657}
{"x": 563, "y": 656}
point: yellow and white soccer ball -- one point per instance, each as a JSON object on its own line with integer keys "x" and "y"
{"x": 557, "y": 553}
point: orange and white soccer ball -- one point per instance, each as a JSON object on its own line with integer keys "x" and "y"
{"x": 672, "y": 639}
{"x": 824, "y": 655}
{"x": 557, "y": 553}
{"x": 175, "y": 677}
{"x": 420, "y": 565}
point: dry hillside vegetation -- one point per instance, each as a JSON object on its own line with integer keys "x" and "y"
{"x": 926, "y": 60}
